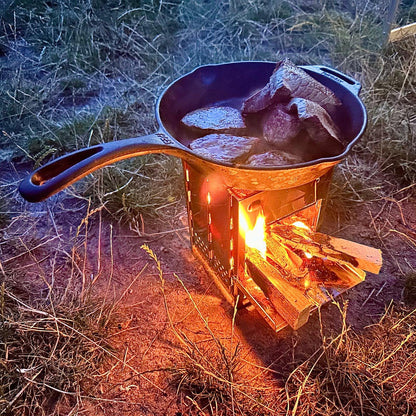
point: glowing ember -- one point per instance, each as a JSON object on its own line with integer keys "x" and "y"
{"x": 254, "y": 237}
{"x": 308, "y": 255}
{"x": 300, "y": 224}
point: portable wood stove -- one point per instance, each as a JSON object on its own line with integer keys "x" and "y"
{"x": 271, "y": 285}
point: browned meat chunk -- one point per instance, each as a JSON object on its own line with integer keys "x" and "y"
{"x": 224, "y": 147}
{"x": 280, "y": 127}
{"x": 273, "y": 158}
{"x": 289, "y": 81}
{"x": 215, "y": 119}
{"x": 318, "y": 123}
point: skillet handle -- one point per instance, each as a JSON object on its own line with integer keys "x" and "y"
{"x": 62, "y": 172}
{"x": 348, "y": 82}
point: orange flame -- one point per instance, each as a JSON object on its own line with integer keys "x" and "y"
{"x": 255, "y": 237}
{"x": 307, "y": 282}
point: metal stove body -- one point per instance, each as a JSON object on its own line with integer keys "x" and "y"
{"x": 214, "y": 212}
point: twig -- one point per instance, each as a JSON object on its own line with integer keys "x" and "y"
{"x": 411, "y": 240}
{"x": 84, "y": 263}
{"x": 22, "y": 390}
{"x": 111, "y": 274}
{"x": 399, "y": 347}
{"x": 368, "y": 297}
{"x": 99, "y": 245}
{"x": 302, "y": 387}
{"x": 126, "y": 291}
{"x": 29, "y": 250}
{"x": 381, "y": 289}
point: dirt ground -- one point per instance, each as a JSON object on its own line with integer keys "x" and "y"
{"x": 142, "y": 377}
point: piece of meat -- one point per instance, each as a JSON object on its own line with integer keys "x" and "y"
{"x": 280, "y": 127}
{"x": 288, "y": 81}
{"x": 318, "y": 136}
{"x": 224, "y": 147}
{"x": 318, "y": 123}
{"x": 215, "y": 120}
{"x": 273, "y": 158}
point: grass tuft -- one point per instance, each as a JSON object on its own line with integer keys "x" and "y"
{"x": 389, "y": 95}
{"x": 350, "y": 374}
{"x": 52, "y": 351}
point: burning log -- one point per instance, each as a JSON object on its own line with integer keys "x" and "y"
{"x": 285, "y": 258}
{"x": 347, "y": 274}
{"x": 305, "y": 270}
{"x": 359, "y": 255}
{"x": 325, "y": 246}
{"x": 289, "y": 301}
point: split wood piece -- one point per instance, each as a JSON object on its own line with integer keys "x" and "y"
{"x": 402, "y": 32}
{"x": 323, "y": 292}
{"x": 300, "y": 276}
{"x": 361, "y": 256}
{"x": 289, "y": 301}
{"x": 285, "y": 258}
{"x": 325, "y": 246}
{"x": 348, "y": 275}
{"x": 260, "y": 302}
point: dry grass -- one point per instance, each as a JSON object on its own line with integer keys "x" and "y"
{"x": 383, "y": 161}
{"x": 367, "y": 374}
{"x": 51, "y": 354}
{"x": 208, "y": 374}
{"x": 54, "y": 334}
{"x": 390, "y": 92}
{"x": 359, "y": 374}
{"x": 152, "y": 186}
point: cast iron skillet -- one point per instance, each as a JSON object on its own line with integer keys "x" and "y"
{"x": 205, "y": 86}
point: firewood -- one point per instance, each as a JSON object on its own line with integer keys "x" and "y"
{"x": 348, "y": 275}
{"x": 361, "y": 256}
{"x": 260, "y": 302}
{"x": 325, "y": 246}
{"x": 285, "y": 258}
{"x": 289, "y": 301}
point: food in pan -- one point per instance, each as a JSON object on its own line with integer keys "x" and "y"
{"x": 220, "y": 119}
{"x": 291, "y": 115}
{"x": 224, "y": 147}
{"x": 286, "y": 82}
{"x": 280, "y": 127}
{"x": 273, "y": 158}
{"x": 318, "y": 124}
